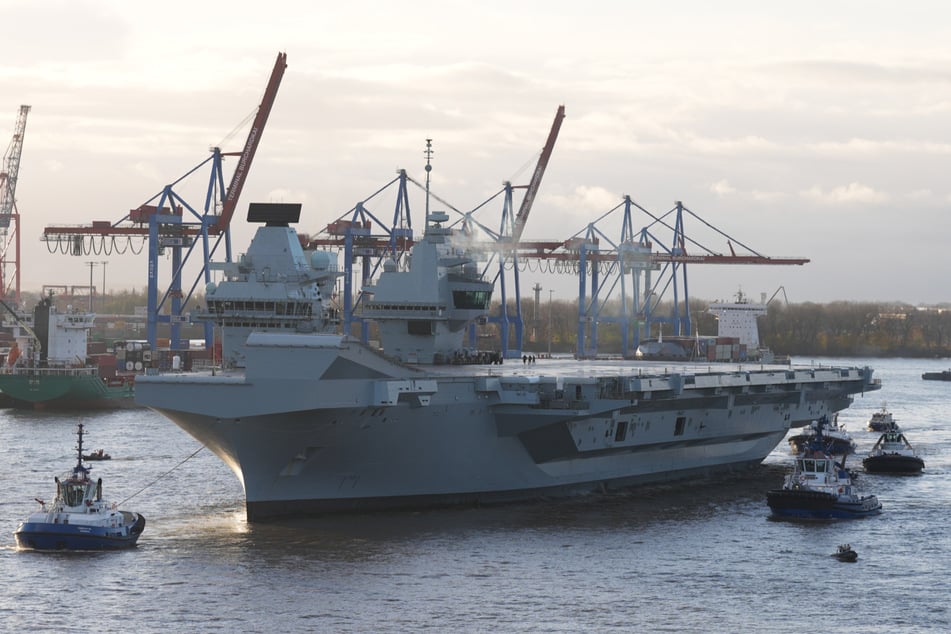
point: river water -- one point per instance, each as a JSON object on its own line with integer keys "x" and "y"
{"x": 688, "y": 557}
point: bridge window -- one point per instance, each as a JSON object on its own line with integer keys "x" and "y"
{"x": 471, "y": 300}
{"x": 74, "y": 494}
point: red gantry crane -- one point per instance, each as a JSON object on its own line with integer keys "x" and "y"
{"x": 163, "y": 222}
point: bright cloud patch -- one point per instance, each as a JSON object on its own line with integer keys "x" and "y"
{"x": 586, "y": 199}
{"x": 920, "y": 195}
{"x": 722, "y": 188}
{"x": 846, "y": 194}
{"x": 282, "y": 195}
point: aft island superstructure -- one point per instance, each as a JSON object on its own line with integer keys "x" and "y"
{"x": 312, "y": 421}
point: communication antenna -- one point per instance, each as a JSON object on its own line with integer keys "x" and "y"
{"x": 429, "y": 168}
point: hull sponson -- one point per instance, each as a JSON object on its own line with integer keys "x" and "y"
{"x": 319, "y": 423}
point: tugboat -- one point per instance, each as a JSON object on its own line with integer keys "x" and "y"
{"x": 845, "y": 553}
{"x": 881, "y": 420}
{"x": 838, "y": 441}
{"x": 78, "y": 518}
{"x": 893, "y": 454}
{"x": 819, "y": 487}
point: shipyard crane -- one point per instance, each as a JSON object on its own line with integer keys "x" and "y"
{"x": 510, "y": 233}
{"x": 639, "y": 259}
{"x": 353, "y": 233}
{"x": 592, "y": 254}
{"x": 601, "y": 264}
{"x": 241, "y": 170}
{"x": 528, "y": 200}
{"x": 9, "y": 215}
{"x": 168, "y": 222}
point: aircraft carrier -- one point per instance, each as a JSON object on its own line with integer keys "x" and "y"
{"x": 311, "y": 421}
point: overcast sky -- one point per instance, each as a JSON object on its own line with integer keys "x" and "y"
{"x": 808, "y": 129}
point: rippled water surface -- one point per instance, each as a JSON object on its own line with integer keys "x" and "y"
{"x": 695, "y": 557}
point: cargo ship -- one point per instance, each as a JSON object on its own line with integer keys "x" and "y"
{"x": 49, "y": 365}
{"x": 313, "y": 421}
{"x": 736, "y": 341}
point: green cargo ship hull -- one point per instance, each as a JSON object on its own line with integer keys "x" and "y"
{"x": 66, "y": 390}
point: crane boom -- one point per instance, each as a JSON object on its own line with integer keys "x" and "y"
{"x": 11, "y": 168}
{"x": 522, "y": 216}
{"x": 250, "y": 146}
{"x": 8, "y": 211}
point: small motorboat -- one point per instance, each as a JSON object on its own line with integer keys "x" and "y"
{"x": 838, "y": 441}
{"x": 881, "y": 420}
{"x": 98, "y": 454}
{"x": 820, "y": 487}
{"x": 845, "y": 553}
{"x": 893, "y": 453}
{"x": 78, "y": 518}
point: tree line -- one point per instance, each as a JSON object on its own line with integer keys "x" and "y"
{"x": 833, "y": 329}
{"x": 874, "y": 329}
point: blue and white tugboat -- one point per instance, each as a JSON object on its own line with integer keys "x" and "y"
{"x": 78, "y": 518}
{"x": 820, "y": 487}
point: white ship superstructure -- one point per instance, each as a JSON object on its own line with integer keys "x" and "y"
{"x": 738, "y": 319}
{"x": 318, "y": 422}
{"x": 54, "y": 339}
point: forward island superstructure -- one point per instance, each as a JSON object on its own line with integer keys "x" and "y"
{"x": 313, "y": 421}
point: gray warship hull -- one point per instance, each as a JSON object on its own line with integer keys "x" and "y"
{"x": 320, "y": 423}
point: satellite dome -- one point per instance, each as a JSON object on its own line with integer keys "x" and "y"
{"x": 321, "y": 260}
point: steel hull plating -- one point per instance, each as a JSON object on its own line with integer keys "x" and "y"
{"x": 337, "y": 427}
{"x": 311, "y": 462}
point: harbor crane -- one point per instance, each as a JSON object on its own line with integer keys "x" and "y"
{"x": 638, "y": 264}
{"x": 167, "y": 222}
{"x": 367, "y": 240}
{"x": 641, "y": 266}
{"x": 9, "y": 215}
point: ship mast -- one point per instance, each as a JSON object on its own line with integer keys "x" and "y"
{"x": 429, "y": 168}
